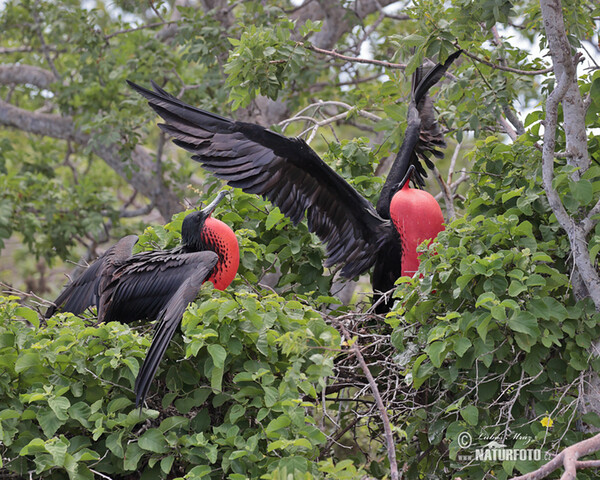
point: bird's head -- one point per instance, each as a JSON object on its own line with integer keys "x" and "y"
{"x": 412, "y": 174}
{"x": 202, "y": 232}
{"x": 193, "y": 224}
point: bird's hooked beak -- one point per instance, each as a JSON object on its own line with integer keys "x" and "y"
{"x": 407, "y": 177}
{"x": 212, "y": 205}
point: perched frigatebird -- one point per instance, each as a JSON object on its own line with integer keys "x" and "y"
{"x": 292, "y": 176}
{"x": 155, "y": 285}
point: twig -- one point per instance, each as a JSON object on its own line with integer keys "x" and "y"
{"x": 108, "y": 381}
{"x": 506, "y": 69}
{"x": 453, "y": 162}
{"x": 135, "y": 29}
{"x": 389, "y": 438}
{"x": 41, "y": 302}
{"x": 447, "y": 194}
{"x": 332, "y": 53}
{"x": 45, "y": 50}
{"x": 100, "y": 474}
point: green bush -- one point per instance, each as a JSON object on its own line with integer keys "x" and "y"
{"x": 500, "y": 343}
{"x": 232, "y": 400}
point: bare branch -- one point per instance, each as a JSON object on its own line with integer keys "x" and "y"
{"x": 141, "y": 27}
{"x": 45, "y": 48}
{"x": 334, "y": 54}
{"x": 567, "y": 459}
{"x": 447, "y": 194}
{"x": 504, "y": 68}
{"x": 26, "y": 49}
{"x": 389, "y": 437}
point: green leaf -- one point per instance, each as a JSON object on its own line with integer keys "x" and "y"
{"x": 524, "y": 322}
{"x": 59, "y": 405}
{"x": 516, "y": 288}
{"x": 274, "y": 217}
{"x": 582, "y": 191}
{"x": 413, "y": 40}
{"x": 27, "y": 361}
{"x": 58, "y": 449}
{"x": 470, "y": 414}
{"x": 278, "y": 423}
{"x": 436, "y": 352}
{"x": 166, "y": 463}
{"x": 218, "y": 354}
{"x": 132, "y": 456}
{"x": 461, "y": 345}
{"x": 30, "y": 315}
{"x": 173, "y": 423}
{"x": 216, "y": 378}
{"x": 34, "y": 446}
{"x": 48, "y": 421}
{"x": 154, "y": 441}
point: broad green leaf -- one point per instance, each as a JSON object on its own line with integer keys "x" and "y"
{"x": 27, "y": 361}
{"x": 218, "y": 354}
{"x": 470, "y": 414}
{"x": 524, "y": 322}
{"x": 154, "y": 441}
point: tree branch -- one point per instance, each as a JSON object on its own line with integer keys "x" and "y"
{"x": 568, "y": 459}
{"x": 13, "y": 73}
{"x": 504, "y": 68}
{"x": 138, "y": 171}
{"x": 567, "y": 92}
{"x": 334, "y": 54}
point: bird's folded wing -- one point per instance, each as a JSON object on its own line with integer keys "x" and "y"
{"x": 144, "y": 284}
{"x": 170, "y": 317}
{"x": 284, "y": 170}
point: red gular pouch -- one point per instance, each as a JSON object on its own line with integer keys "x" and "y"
{"x": 418, "y": 217}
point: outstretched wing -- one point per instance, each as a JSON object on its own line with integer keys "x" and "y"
{"x": 422, "y": 136}
{"x": 170, "y": 317}
{"x": 284, "y": 170}
{"x": 83, "y": 292}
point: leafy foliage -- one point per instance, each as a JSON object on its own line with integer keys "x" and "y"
{"x": 233, "y": 407}
{"x": 494, "y": 332}
{"x": 488, "y": 342}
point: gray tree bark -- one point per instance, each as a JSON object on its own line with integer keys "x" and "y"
{"x": 585, "y": 279}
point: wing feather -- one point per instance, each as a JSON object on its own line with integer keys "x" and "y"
{"x": 140, "y": 288}
{"x": 286, "y": 171}
{"x": 83, "y": 292}
{"x": 170, "y": 317}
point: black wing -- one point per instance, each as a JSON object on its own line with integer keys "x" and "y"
{"x": 422, "y": 136}
{"x": 170, "y": 317}
{"x": 83, "y": 292}
{"x": 284, "y": 170}
{"x": 141, "y": 287}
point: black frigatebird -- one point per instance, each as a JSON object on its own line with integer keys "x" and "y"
{"x": 291, "y": 175}
{"x": 155, "y": 285}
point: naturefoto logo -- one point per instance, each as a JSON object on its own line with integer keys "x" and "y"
{"x": 495, "y": 448}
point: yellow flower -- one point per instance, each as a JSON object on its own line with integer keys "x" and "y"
{"x": 547, "y": 422}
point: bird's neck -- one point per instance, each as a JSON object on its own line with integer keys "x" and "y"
{"x": 399, "y": 168}
{"x": 219, "y": 238}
